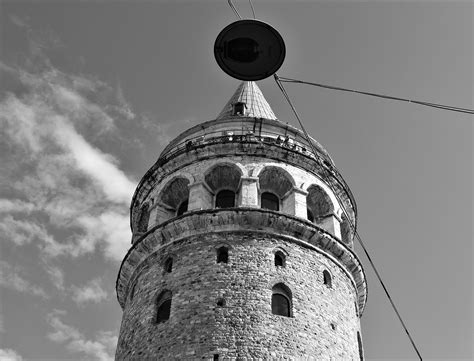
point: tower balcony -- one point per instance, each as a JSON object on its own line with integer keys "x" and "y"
{"x": 244, "y": 137}
{"x": 250, "y": 223}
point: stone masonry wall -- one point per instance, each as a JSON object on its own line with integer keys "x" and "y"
{"x": 245, "y": 327}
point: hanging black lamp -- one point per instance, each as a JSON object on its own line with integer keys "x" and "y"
{"x": 249, "y": 50}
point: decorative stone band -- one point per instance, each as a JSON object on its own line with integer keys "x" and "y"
{"x": 254, "y": 220}
{"x": 270, "y": 150}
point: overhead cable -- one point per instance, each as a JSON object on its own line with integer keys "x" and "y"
{"x": 253, "y": 10}
{"x": 427, "y": 104}
{"x": 352, "y": 226}
{"x": 234, "y": 9}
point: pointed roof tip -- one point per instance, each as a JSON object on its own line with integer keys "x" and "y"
{"x": 256, "y": 106}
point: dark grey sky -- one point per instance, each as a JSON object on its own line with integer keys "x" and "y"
{"x": 92, "y": 91}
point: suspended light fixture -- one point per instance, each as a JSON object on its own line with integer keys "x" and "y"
{"x": 249, "y": 50}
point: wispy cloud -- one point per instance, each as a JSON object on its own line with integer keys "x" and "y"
{"x": 101, "y": 348}
{"x": 92, "y": 292}
{"x": 49, "y": 162}
{"x": 7, "y": 354}
{"x": 10, "y": 278}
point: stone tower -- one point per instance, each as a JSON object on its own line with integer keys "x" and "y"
{"x": 240, "y": 247}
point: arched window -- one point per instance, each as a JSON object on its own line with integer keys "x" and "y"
{"x": 163, "y": 306}
{"x": 173, "y": 199}
{"x": 327, "y": 278}
{"x": 270, "y": 201}
{"x": 144, "y": 218}
{"x": 168, "y": 265}
{"x": 225, "y": 199}
{"x": 222, "y": 255}
{"x": 280, "y": 259}
{"x": 361, "y": 350}
{"x": 183, "y": 207}
{"x": 281, "y": 300}
{"x": 318, "y": 202}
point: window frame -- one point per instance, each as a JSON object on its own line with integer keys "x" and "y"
{"x": 283, "y": 290}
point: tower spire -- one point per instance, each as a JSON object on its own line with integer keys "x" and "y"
{"x": 247, "y": 101}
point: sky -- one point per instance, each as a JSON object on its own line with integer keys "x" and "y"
{"x": 91, "y": 92}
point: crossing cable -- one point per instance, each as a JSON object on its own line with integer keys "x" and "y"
{"x": 253, "y": 10}
{"x": 427, "y": 104}
{"x": 285, "y": 94}
{"x": 233, "y": 8}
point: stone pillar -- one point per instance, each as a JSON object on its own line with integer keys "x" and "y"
{"x": 162, "y": 213}
{"x": 330, "y": 223}
{"x": 248, "y": 195}
{"x": 200, "y": 197}
{"x": 294, "y": 203}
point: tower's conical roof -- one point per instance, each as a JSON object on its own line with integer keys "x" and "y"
{"x": 256, "y": 105}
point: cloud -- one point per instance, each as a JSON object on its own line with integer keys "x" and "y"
{"x": 56, "y": 275}
{"x": 10, "y": 278}
{"x": 110, "y": 227}
{"x": 99, "y": 166}
{"x": 7, "y": 354}
{"x": 101, "y": 348}
{"x": 49, "y": 161}
{"x": 92, "y": 291}
{"x": 23, "y": 232}
{"x": 15, "y": 205}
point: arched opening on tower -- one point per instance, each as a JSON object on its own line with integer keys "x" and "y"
{"x": 281, "y": 300}
{"x": 223, "y": 180}
{"x": 275, "y": 180}
{"x": 225, "y": 199}
{"x": 327, "y": 279}
{"x": 280, "y": 259}
{"x": 168, "y": 266}
{"x": 318, "y": 202}
{"x": 270, "y": 201}
{"x": 173, "y": 199}
{"x": 163, "y": 306}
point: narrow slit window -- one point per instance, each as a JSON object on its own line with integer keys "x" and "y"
{"x": 220, "y": 302}
{"x": 239, "y": 108}
{"x": 225, "y": 199}
{"x": 270, "y": 201}
{"x": 309, "y": 215}
{"x": 280, "y": 259}
{"x": 163, "y": 307}
{"x": 222, "y": 255}
{"x": 327, "y": 278}
{"x": 169, "y": 265}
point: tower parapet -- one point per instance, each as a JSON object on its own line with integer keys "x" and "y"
{"x": 262, "y": 261}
